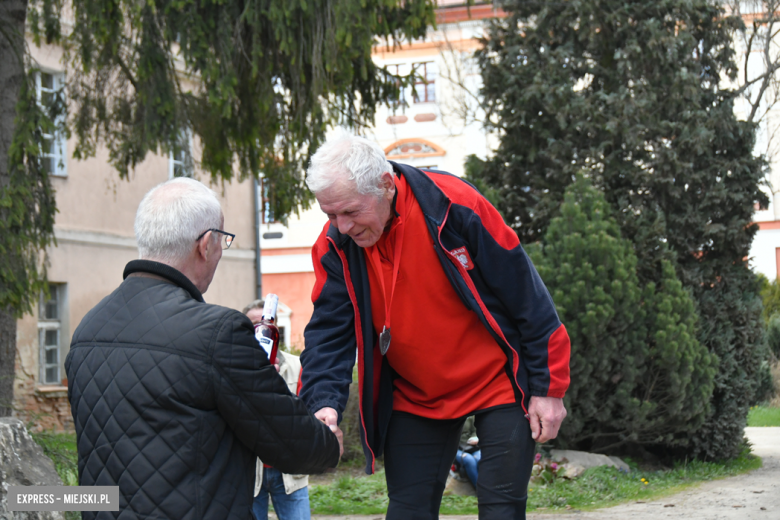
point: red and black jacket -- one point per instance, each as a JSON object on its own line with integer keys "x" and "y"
{"x": 500, "y": 285}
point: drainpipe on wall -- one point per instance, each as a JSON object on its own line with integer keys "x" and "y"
{"x": 258, "y": 272}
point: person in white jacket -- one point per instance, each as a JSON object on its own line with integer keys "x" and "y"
{"x": 289, "y": 493}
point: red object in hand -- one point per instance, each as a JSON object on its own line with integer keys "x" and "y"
{"x": 266, "y": 332}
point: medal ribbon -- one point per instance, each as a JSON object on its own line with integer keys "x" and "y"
{"x": 377, "y": 261}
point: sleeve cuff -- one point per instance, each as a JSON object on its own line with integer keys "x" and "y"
{"x": 557, "y": 394}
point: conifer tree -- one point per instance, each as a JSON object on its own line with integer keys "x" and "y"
{"x": 634, "y": 93}
{"x": 256, "y": 84}
{"x": 591, "y": 273}
{"x": 676, "y": 385}
{"x": 27, "y": 204}
{"x": 639, "y": 375}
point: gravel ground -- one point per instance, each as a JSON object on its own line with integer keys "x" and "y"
{"x": 753, "y": 496}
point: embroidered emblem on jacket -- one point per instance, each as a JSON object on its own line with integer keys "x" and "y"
{"x": 463, "y": 257}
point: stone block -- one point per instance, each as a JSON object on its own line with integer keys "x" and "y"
{"x": 588, "y": 460}
{"x": 23, "y": 463}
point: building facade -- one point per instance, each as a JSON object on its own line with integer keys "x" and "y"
{"x": 433, "y": 125}
{"x": 436, "y": 123}
{"x": 94, "y": 240}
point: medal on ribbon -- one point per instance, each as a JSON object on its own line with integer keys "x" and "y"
{"x": 387, "y": 296}
{"x": 384, "y": 341}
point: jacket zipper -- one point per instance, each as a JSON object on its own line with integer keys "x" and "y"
{"x": 488, "y": 316}
{"x": 359, "y": 337}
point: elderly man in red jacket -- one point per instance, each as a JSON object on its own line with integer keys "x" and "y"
{"x": 418, "y": 273}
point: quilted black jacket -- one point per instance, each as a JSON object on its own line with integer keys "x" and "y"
{"x": 173, "y": 399}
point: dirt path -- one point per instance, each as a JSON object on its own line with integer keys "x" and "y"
{"x": 753, "y": 496}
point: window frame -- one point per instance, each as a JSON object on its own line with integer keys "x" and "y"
{"x": 58, "y": 154}
{"x": 402, "y": 90}
{"x": 266, "y": 215}
{"x": 185, "y": 162}
{"x": 424, "y": 80}
{"x": 57, "y": 293}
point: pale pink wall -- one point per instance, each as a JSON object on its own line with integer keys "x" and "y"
{"x": 96, "y": 211}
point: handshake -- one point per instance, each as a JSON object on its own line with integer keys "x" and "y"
{"x": 330, "y": 417}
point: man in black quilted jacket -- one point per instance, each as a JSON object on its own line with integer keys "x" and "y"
{"x": 172, "y": 398}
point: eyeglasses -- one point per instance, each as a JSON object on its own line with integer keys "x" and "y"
{"x": 226, "y": 241}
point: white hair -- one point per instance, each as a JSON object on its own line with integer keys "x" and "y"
{"x": 346, "y": 157}
{"x": 172, "y": 216}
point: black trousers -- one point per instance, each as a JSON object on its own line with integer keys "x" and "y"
{"x": 420, "y": 451}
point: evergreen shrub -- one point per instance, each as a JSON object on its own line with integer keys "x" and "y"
{"x": 639, "y": 376}
{"x": 770, "y": 296}
{"x": 639, "y": 94}
{"x": 773, "y": 335}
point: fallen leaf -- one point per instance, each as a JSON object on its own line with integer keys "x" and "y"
{"x": 737, "y": 506}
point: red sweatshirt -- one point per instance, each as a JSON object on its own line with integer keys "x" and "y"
{"x": 431, "y": 328}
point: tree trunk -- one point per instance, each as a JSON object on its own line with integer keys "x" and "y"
{"x": 7, "y": 361}
{"x": 12, "y": 50}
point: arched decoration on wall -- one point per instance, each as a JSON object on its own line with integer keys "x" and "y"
{"x": 414, "y": 147}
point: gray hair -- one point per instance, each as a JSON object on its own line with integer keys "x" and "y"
{"x": 347, "y": 157}
{"x": 257, "y": 304}
{"x": 172, "y": 216}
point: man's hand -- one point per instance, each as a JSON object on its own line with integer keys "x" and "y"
{"x": 546, "y": 415}
{"x": 340, "y": 436}
{"x": 330, "y": 417}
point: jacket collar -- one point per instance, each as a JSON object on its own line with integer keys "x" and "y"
{"x": 433, "y": 202}
{"x": 166, "y": 271}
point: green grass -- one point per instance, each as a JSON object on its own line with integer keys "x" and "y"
{"x": 603, "y": 486}
{"x": 362, "y": 495}
{"x": 763, "y": 416}
{"x": 598, "y": 487}
{"x": 60, "y": 447}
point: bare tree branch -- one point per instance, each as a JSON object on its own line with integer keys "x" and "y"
{"x": 759, "y": 87}
{"x": 465, "y": 104}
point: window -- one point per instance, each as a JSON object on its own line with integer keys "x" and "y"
{"x": 180, "y": 160}
{"x": 424, "y": 82}
{"x": 53, "y": 155}
{"x": 401, "y": 101}
{"x": 268, "y": 211}
{"x": 414, "y": 147}
{"x": 50, "y": 318}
